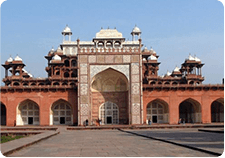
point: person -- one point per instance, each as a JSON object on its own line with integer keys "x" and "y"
{"x": 180, "y": 120}
{"x": 149, "y": 121}
{"x": 184, "y": 121}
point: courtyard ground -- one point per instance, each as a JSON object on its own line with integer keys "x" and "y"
{"x": 100, "y": 143}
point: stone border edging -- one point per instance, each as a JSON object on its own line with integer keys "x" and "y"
{"x": 211, "y": 131}
{"x": 6, "y": 151}
{"x": 163, "y": 140}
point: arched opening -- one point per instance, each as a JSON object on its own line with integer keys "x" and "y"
{"x": 64, "y": 84}
{"x": 57, "y": 73}
{"x": 74, "y": 63}
{"x": 16, "y": 84}
{"x": 27, "y": 113}
{"x": 25, "y": 84}
{"x": 110, "y": 87}
{"x": 191, "y": 82}
{"x": 61, "y": 113}
{"x": 174, "y": 83}
{"x": 56, "y": 84}
{"x": 3, "y": 114}
{"x": 33, "y": 84}
{"x": 109, "y": 113}
{"x": 157, "y": 112}
{"x": 217, "y": 111}
{"x": 167, "y": 83}
{"x": 117, "y": 44}
{"x": 152, "y": 83}
{"x": 100, "y": 44}
{"x": 72, "y": 84}
{"x": 190, "y": 111}
{"x": 66, "y": 74}
{"x": 67, "y": 63}
{"x": 109, "y": 44}
{"x": 74, "y": 73}
{"x": 41, "y": 84}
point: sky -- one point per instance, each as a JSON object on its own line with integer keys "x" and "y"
{"x": 173, "y": 28}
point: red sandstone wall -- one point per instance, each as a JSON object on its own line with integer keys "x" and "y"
{"x": 174, "y": 98}
{"x": 44, "y": 99}
{"x": 119, "y": 98}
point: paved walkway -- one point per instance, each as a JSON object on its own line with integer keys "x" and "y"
{"x": 211, "y": 140}
{"x": 100, "y": 143}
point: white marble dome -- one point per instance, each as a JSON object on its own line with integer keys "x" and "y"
{"x": 177, "y": 69}
{"x": 10, "y": 59}
{"x": 136, "y": 30}
{"x": 17, "y": 58}
{"x": 197, "y": 59}
{"x": 67, "y": 30}
{"x": 152, "y": 57}
{"x": 56, "y": 57}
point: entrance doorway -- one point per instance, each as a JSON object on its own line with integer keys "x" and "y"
{"x": 190, "y": 111}
{"x": 3, "y": 114}
{"x": 62, "y": 120}
{"x": 217, "y": 111}
{"x": 154, "y": 119}
{"x": 109, "y": 119}
{"x": 30, "y": 120}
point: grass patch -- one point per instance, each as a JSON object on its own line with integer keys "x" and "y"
{"x": 9, "y": 138}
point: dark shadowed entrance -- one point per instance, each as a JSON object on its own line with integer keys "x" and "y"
{"x": 3, "y": 114}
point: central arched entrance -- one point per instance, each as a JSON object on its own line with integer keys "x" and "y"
{"x": 28, "y": 113}
{"x": 109, "y": 113}
{"x": 61, "y": 113}
{"x": 217, "y": 111}
{"x": 109, "y": 92}
{"x": 3, "y": 114}
{"x": 157, "y": 112}
{"x": 190, "y": 111}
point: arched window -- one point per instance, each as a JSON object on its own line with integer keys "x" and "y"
{"x": 109, "y": 44}
{"x": 67, "y": 63}
{"x": 109, "y": 113}
{"x": 66, "y": 74}
{"x": 57, "y": 73}
{"x": 28, "y": 113}
{"x": 74, "y": 63}
{"x": 117, "y": 44}
{"x": 74, "y": 73}
{"x": 56, "y": 84}
{"x": 61, "y": 113}
{"x": 157, "y": 112}
{"x": 100, "y": 44}
{"x": 16, "y": 84}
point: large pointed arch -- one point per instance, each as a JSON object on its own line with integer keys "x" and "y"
{"x": 27, "y": 113}
{"x": 157, "y": 111}
{"x": 61, "y": 113}
{"x": 109, "y": 80}
{"x": 217, "y": 110}
{"x": 190, "y": 111}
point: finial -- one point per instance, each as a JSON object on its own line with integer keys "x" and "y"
{"x": 115, "y": 28}
{"x": 108, "y": 27}
{"x": 101, "y": 28}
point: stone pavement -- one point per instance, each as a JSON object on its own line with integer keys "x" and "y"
{"x": 101, "y": 143}
{"x": 11, "y": 146}
{"x": 193, "y": 138}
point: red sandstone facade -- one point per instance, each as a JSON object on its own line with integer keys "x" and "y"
{"x": 111, "y": 80}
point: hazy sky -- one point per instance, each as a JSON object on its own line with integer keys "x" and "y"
{"x": 173, "y": 28}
